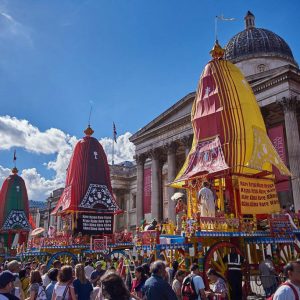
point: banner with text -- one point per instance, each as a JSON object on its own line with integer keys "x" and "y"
{"x": 276, "y": 135}
{"x": 95, "y": 223}
{"x": 258, "y": 196}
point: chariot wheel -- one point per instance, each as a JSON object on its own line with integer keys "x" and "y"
{"x": 117, "y": 254}
{"x": 215, "y": 254}
{"x": 287, "y": 253}
{"x": 214, "y": 259}
{"x": 64, "y": 257}
{"x": 177, "y": 255}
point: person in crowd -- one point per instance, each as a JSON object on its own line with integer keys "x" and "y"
{"x": 138, "y": 283}
{"x": 44, "y": 274}
{"x": 83, "y": 288}
{"x": 15, "y": 267}
{"x": 177, "y": 283}
{"x": 234, "y": 273}
{"x": 24, "y": 276}
{"x": 97, "y": 290}
{"x": 121, "y": 269}
{"x": 195, "y": 281}
{"x": 7, "y": 279}
{"x": 172, "y": 271}
{"x": 113, "y": 288}
{"x": 57, "y": 264}
{"x": 156, "y": 287}
{"x": 52, "y": 274}
{"x": 33, "y": 265}
{"x": 206, "y": 201}
{"x": 64, "y": 289}
{"x": 95, "y": 276}
{"x": 146, "y": 268}
{"x": 36, "y": 289}
{"x": 268, "y": 276}
{"x": 218, "y": 285}
{"x": 290, "y": 289}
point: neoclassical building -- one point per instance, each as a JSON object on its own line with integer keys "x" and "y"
{"x": 161, "y": 146}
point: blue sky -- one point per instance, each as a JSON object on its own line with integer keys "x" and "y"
{"x": 132, "y": 58}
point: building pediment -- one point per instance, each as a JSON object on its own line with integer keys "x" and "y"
{"x": 172, "y": 117}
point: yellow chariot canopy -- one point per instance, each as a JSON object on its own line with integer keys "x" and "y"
{"x": 229, "y": 131}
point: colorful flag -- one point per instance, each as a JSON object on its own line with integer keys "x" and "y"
{"x": 114, "y": 132}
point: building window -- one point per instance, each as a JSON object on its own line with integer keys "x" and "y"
{"x": 261, "y": 68}
{"x": 133, "y": 201}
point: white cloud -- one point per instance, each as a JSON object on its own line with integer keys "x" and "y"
{"x": 20, "y": 133}
{"x": 4, "y": 172}
{"x": 38, "y": 187}
{"x": 11, "y": 29}
{"x": 123, "y": 149}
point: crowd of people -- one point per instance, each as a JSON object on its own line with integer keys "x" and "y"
{"x": 113, "y": 280}
{"x": 103, "y": 280}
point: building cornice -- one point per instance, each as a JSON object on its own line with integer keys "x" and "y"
{"x": 286, "y": 75}
{"x": 152, "y": 126}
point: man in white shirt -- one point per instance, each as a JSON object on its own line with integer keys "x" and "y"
{"x": 88, "y": 269}
{"x": 197, "y": 281}
{"x": 206, "y": 201}
{"x": 290, "y": 290}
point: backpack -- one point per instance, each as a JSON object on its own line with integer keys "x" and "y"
{"x": 188, "y": 290}
{"x": 41, "y": 295}
{"x": 289, "y": 285}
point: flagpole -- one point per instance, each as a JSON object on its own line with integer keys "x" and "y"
{"x": 113, "y": 151}
{"x": 216, "y": 28}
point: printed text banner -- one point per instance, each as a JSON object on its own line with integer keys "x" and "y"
{"x": 258, "y": 196}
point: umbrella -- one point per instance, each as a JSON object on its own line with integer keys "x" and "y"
{"x": 37, "y": 231}
{"x": 177, "y": 195}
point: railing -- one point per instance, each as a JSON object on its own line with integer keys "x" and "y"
{"x": 67, "y": 240}
{"x": 148, "y": 237}
{"x": 260, "y": 286}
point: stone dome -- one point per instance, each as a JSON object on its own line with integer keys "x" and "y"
{"x": 257, "y": 42}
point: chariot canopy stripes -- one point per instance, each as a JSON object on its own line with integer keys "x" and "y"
{"x": 229, "y": 131}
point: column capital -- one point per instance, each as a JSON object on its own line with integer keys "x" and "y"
{"x": 187, "y": 140}
{"x": 171, "y": 147}
{"x": 140, "y": 158}
{"x": 158, "y": 154}
{"x": 289, "y": 103}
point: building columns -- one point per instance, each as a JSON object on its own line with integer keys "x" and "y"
{"x": 171, "y": 148}
{"x": 289, "y": 106}
{"x": 140, "y": 160}
{"x": 156, "y": 201}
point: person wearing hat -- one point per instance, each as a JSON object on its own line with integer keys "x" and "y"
{"x": 15, "y": 267}
{"x": 95, "y": 276}
{"x": 7, "y": 279}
